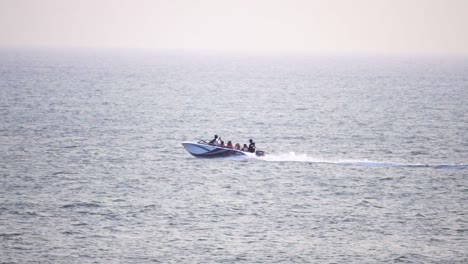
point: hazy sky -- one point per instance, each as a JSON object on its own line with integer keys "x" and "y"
{"x": 238, "y": 25}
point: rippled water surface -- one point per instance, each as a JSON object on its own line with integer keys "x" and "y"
{"x": 367, "y": 158}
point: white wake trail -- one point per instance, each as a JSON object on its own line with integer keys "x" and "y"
{"x": 293, "y": 157}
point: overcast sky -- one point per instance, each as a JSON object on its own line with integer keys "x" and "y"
{"x": 382, "y": 26}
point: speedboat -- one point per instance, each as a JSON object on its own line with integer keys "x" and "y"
{"x": 202, "y": 149}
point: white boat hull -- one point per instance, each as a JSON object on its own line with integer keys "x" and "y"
{"x": 203, "y": 150}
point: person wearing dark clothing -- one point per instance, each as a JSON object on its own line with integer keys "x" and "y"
{"x": 251, "y": 146}
{"x": 215, "y": 141}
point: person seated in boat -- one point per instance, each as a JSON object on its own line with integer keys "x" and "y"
{"x": 222, "y": 144}
{"x": 229, "y": 144}
{"x": 245, "y": 148}
{"x": 251, "y": 146}
{"x": 237, "y": 146}
{"x": 215, "y": 141}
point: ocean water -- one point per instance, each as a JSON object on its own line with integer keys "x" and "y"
{"x": 367, "y": 158}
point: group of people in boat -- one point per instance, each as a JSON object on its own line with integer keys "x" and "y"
{"x": 216, "y": 141}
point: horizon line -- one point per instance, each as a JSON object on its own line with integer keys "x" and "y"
{"x": 214, "y": 52}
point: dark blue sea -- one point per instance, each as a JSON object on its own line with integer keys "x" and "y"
{"x": 367, "y": 158}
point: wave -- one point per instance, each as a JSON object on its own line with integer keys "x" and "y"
{"x": 76, "y": 205}
{"x": 293, "y": 157}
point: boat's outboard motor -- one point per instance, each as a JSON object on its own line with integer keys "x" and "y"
{"x": 260, "y": 153}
